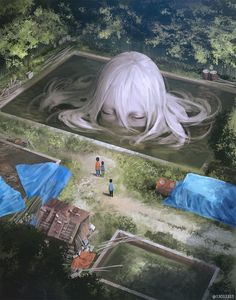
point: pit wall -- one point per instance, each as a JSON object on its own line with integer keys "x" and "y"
{"x": 156, "y": 249}
{"x": 56, "y": 142}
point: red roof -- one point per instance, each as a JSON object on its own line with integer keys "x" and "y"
{"x": 83, "y": 261}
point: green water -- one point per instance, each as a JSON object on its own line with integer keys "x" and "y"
{"x": 155, "y": 275}
{"x": 194, "y": 154}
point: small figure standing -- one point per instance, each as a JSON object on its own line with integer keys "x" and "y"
{"x": 102, "y": 168}
{"x": 97, "y": 166}
{"x": 111, "y": 188}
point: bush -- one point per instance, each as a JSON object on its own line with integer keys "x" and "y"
{"x": 126, "y": 224}
{"x": 143, "y": 175}
{"x": 107, "y": 224}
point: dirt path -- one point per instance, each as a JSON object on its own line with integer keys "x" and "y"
{"x": 145, "y": 216}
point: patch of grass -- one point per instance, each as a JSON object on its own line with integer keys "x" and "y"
{"x": 70, "y": 192}
{"x": 141, "y": 175}
{"x": 166, "y": 239}
{"x": 75, "y": 144}
{"x": 44, "y": 139}
{"x": 107, "y": 224}
{"x": 223, "y": 285}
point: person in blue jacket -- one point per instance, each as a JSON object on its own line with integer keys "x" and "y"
{"x": 111, "y": 188}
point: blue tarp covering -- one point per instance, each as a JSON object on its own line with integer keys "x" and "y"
{"x": 10, "y": 200}
{"x": 45, "y": 179}
{"x": 205, "y": 196}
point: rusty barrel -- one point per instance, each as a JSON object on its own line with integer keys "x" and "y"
{"x": 213, "y": 75}
{"x": 206, "y": 74}
{"x": 165, "y": 186}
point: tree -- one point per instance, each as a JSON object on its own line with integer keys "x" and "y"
{"x": 32, "y": 268}
{"x": 22, "y": 35}
{"x": 222, "y": 38}
{"x": 14, "y": 7}
{"x": 197, "y": 31}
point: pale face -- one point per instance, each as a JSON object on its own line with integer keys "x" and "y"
{"x": 136, "y": 117}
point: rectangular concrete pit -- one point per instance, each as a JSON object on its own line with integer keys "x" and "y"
{"x": 159, "y": 250}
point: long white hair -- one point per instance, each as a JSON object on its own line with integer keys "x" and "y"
{"x": 131, "y": 78}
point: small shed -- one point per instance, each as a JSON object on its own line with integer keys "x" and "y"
{"x": 64, "y": 222}
{"x": 83, "y": 261}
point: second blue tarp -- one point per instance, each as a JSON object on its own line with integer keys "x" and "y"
{"x": 45, "y": 180}
{"x": 205, "y": 196}
{"x": 10, "y": 200}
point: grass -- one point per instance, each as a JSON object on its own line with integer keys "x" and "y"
{"x": 223, "y": 284}
{"x": 143, "y": 174}
{"x": 69, "y": 193}
{"x": 45, "y": 139}
{"x": 107, "y": 224}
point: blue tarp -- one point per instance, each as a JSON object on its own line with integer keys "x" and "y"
{"x": 45, "y": 179}
{"x": 10, "y": 200}
{"x": 205, "y": 196}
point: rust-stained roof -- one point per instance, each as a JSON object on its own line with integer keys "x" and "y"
{"x": 61, "y": 220}
{"x": 84, "y": 261}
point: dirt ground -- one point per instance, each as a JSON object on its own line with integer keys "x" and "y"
{"x": 93, "y": 196}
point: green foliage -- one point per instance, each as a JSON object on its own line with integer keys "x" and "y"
{"x": 143, "y": 175}
{"x": 55, "y": 141}
{"x": 217, "y": 169}
{"x": 224, "y": 262}
{"x": 222, "y": 40}
{"x": 107, "y": 224}
{"x": 14, "y": 7}
{"x": 108, "y": 24}
{"x": 23, "y": 34}
{"x": 223, "y": 140}
{"x": 28, "y": 264}
{"x": 31, "y": 268}
{"x": 224, "y": 285}
{"x": 88, "y": 288}
{"x": 201, "y": 31}
{"x": 165, "y": 239}
{"x": 75, "y": 144}
{"x": 69, "y": 193}
{"x": 126, "y": 224}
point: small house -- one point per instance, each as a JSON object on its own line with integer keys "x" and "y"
{"x": 65, "y": 222}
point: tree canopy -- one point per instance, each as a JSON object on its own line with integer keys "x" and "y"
{"x": 27, "y": 29}
{"x": 33, "y": 268}
{"x": 194, "y": 32}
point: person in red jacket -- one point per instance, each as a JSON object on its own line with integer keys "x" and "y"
{"x": 97, "y": 166}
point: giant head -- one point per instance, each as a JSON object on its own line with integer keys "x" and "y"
{"x": 129, "y": 99}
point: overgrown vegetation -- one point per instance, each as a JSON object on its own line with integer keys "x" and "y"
{"x": 107, "y": 224}
{"x": 198, "y": 34}
{"x": 31, "y": 268}
{"x": 69, "y": 193}
{"x": 224, "y": 283}
{"x": 191, "y": 34}
{"x": 223, "y": 143}
{"x": 27, "y": 25}
{"x": 141, "y": 175}
{"x": 46, "y": 140}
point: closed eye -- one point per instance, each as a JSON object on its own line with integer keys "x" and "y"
{"x": 136, "y": 117}
{"x": 108, "y": 112}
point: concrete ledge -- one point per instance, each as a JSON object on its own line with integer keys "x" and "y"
{"x": 71, "y": 52}
{"x": 101, "y": 144}
{"x": 160, "y": 250}
{"x": 56, "y": 160}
